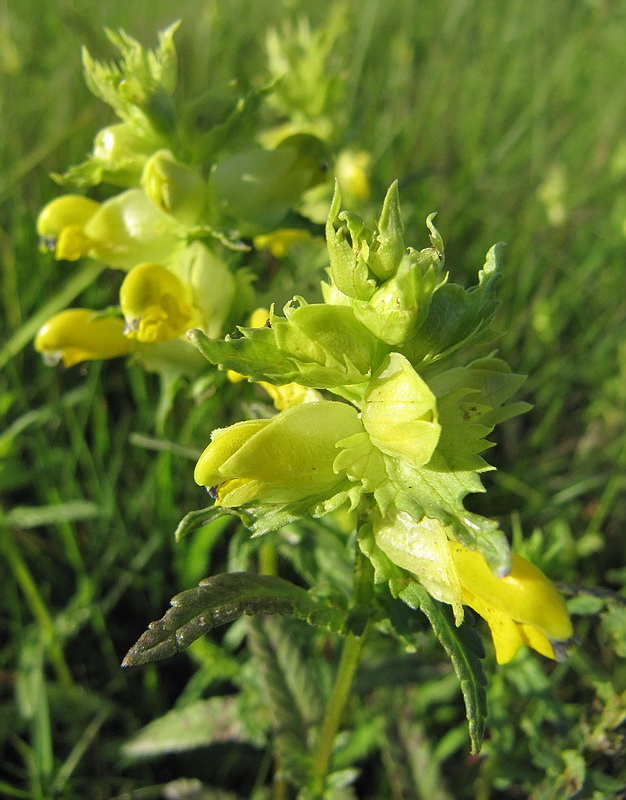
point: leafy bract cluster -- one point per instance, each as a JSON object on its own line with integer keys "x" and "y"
{"x": 406, "y": 428}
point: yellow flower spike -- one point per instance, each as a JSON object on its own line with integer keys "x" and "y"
{"x": 68, "y": 211}
{"x": 80, "y": 334}
{"x": 281, "y": 241}
{"x": 156, "y": 304}
{"x": 522, "y": 608}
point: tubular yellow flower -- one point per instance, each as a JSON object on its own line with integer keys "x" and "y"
{"x": 156, "y": 304}
{"x": 522, "y": 608}
{"x": 66, "y": 216}
{"x": 286, "y": 459}
{"x": 80, "y": 334}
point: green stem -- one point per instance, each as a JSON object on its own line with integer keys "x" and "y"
{"x": 336, "y": 703}
{"x": 350, "y": 654}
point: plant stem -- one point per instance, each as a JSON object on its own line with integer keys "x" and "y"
{"x": 336, "y": 703}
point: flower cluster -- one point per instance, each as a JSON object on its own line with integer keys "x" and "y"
{"x": 196, "y": 191}
{"x": 396, "y": 427}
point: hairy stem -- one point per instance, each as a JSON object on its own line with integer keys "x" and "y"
{"x": 350, "y": 654}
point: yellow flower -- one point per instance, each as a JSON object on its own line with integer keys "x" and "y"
{"x": 121, "y": 232}
{"x": 66, "y": 216}
{"x": 522, "y": 608}
{"x": 290, "y": 394}
{"x": 79, "y": 334}
{"x": 156, "y": 304}
{"x": 352, "y": 171}
{"x": 288, "y": 458}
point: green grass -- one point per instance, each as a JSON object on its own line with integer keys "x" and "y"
{"x": 472, "y": 106}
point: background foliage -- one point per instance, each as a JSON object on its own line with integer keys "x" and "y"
{"x": 509, "y": 122}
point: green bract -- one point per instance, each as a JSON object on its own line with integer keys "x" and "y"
{"x": 321, "y": 346}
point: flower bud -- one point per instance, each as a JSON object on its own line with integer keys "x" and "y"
{"x": 79, "y": 334}
{"x": 175, "y": 188}
{"x": 286, "y": 459}
{"x": 118, "y": 155}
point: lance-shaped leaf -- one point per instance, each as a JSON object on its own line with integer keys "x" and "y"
{"x": 220, "y": 600}
{"x": 464, "y": 647}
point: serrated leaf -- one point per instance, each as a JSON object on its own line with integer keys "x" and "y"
{"x": 286, "y": 680}
{"x": 220, "y": 600}
{"x": 198, "y": 724}
{"x": 464, "y": 647}
{"x": 458, "y": 317}
{"x": 319, "y": 346}
{"x": 437, "y": 491}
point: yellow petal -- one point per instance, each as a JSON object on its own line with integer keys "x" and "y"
{"x": 280, "y": 241}
{"x": 79, "y": 334}
{"x": 69, "y": 209}
{"x": 525, "y": 597}
{"x": 155, "y": 303}
{"x": 289, "y": 395}
{"x": 72, "y": 244}
{"x": 225, "y": 443}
